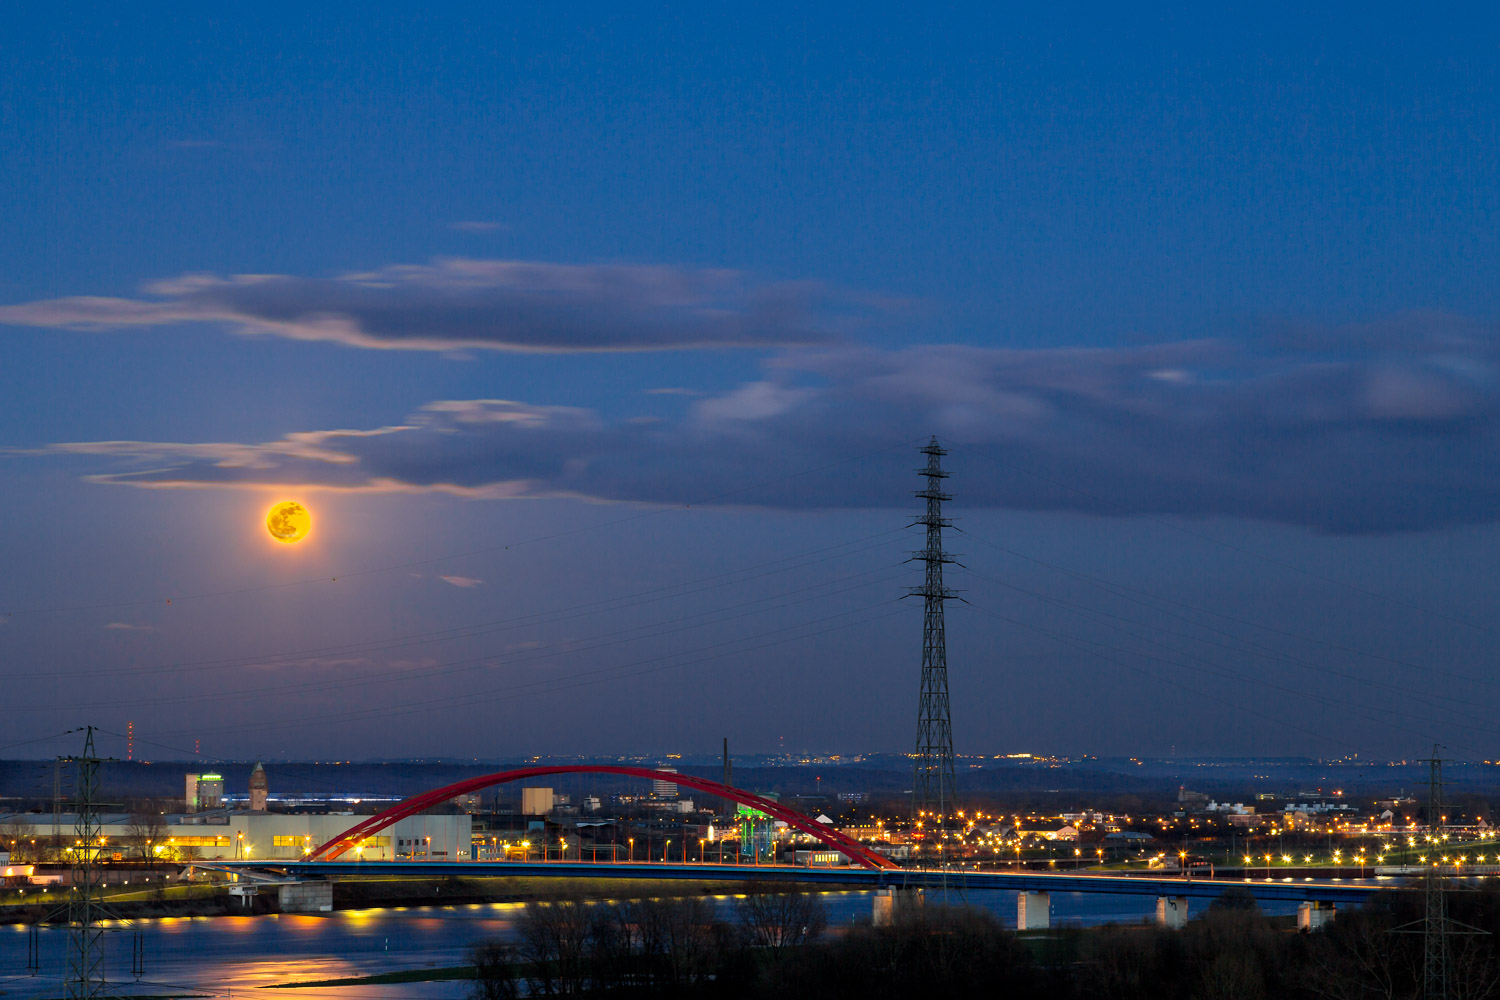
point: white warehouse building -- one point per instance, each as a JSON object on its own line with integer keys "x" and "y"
{"x": 284, "y": 836}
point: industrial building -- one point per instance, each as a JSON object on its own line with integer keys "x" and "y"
{"x": 209, "y": 831}
{"x": 244, "y": 834}
{"x": 204, "y": 791}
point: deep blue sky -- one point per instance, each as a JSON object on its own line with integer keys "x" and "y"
{"x": 1205, "y": 303}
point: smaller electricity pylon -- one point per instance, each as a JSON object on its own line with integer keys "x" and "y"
{"x": 1436, "y": 927}
{"x": 85, "y": 907}
{"x": 85, "y": 936}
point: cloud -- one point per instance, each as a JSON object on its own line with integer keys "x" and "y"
{"x": 461, "y": 581}
{"x": 127, "y": 627}
{"x": 1349, "y": 433}
{"x": 502, "y": 305}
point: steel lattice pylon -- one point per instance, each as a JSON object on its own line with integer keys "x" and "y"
{"x": 1436, "y": 927}
{"x": 86, "y": 948}
{"x": 933, "y": 786}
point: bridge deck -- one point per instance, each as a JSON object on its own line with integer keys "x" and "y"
{"x": 1320, "y": 890}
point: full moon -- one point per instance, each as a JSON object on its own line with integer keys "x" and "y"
{"x": 288, "y": 522}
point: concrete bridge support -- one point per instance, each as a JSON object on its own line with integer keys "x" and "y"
{"x": 1033, "y": 911}
{"x": 891, "y": 904}
{"x": 1172, "y": 912}
{"x": 1313, "y": 916}
{"x": 305, "y": 897}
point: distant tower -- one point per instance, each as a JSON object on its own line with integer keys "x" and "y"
{"x": 932, "y": 793}
{"x": 259, "y": 788}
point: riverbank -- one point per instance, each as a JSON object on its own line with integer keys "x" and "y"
{"x": 209, "y": 899}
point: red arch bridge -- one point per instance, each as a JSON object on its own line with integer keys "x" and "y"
{"x": 351, "y": 837}
{"x": 872, "y": 868}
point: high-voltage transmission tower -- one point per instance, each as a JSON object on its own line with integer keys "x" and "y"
{"x": 1436, "y": 927}
{"x": 1436, "y": 957}
{"x": 933, "y": 793}
{"x": 86, "y": 936}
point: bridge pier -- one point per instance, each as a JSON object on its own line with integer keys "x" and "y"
{"x": 1172, "y": 912}
{"x": 1314, "y": 916}
{"x": 1033, "y": 911}
{"x": 305, "y": 897}
{"x": 891, "y": 904}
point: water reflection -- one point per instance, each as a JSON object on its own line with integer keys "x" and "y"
{"x": 219, "y": 954}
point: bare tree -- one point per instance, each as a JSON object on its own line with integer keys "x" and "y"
{"x": 677, "y": 942}
{"x": 144, "y": 832}
{"x": 555, "y": 947}
{"x": 494, "y": 972}
{"x": 784, "y": 918}
{"x": 1359, "y": 959}
{"x": 19, "y": 838}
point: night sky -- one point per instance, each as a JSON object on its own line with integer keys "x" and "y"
{"x": 601, "y": 343}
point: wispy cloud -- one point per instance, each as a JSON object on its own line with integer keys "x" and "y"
{"x": 502, "y": 305}
{"x": 1352, "y": 431}
{"x": 461, "y": 581}
{"x": 312, "y": 663}
{"x": 128, "y": 627}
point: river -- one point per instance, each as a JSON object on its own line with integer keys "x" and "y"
{"x": 221, "y": 956}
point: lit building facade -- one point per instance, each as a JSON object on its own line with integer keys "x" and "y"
{"x": 279, "y": 836}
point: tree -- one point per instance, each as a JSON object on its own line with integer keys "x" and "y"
{"x": 494, "y": 972}
{"x": 144, "y": 832}
{"x": 678, "y": 942}
{"x": 554, "y": 945}
{"x": 18, "y": 837}
{"x": 784, "y": 918}
{"x": 936, "y": 951}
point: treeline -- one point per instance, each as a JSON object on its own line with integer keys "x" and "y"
{"x": 775, "y": 944}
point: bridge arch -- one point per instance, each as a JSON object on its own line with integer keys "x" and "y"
{"x": 410, "y": 807}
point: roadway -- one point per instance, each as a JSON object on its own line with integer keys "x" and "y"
{"x": 1280, "y": 890}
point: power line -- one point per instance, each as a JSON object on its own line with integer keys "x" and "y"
{"x": 1123, "y": 591}
{"x": 584, "y": 679}
{"x": 568, "y": 647}
{"x": 603, "y": 605}
{"x": 1265, "y": 652}
{"x": 1176, "y": 683}
{"x": 1261, "y": 556}
{"x": 354, "y": 574}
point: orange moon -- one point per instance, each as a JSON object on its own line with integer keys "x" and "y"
{"x": 288, "y": 522}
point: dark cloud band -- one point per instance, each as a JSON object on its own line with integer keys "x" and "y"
{"x": 1361, "y": 434}
{"x": 502, "y": 305}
